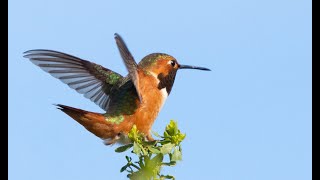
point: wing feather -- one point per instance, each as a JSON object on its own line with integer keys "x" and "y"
{"x": 92, "y": 80}
{"x": 129, "y": 62}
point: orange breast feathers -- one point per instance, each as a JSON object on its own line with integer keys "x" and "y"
{"x": 152, "y": 101}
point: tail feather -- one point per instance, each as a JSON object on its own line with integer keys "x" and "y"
{"x": 71, "y": 111}
{"x": 93, "y": 122}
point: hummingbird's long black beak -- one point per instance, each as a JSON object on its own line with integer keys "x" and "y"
{"x": 193, "y": 67}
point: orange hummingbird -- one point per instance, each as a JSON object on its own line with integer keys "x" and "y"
{"x": 135, "y": 99}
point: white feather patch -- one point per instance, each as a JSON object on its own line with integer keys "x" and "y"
{"x": 164, "y": 94}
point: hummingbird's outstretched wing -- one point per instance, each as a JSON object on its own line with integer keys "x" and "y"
{"x": 90, "y": 79}
{"x": 129, "y": 62}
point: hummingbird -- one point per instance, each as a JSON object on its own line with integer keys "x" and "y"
{"x": 135, "y": 99}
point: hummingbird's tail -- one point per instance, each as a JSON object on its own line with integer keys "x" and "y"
{"x": 75, "y": 113}
{"x": 93, "y": 122}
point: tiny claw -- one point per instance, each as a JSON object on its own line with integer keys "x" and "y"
{"x": 149, "y": 138}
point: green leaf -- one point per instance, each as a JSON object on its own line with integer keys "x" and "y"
{"x": 154, "y": 150}
{"x": 162, "y": 177}
{"x": 124, "y": 168}
{"x": 171, "y": 129}
{"x": 166, "y": 148}
{"x": 149, "y": 143}
{"x": 153, "y": 165}
{"x": 176, "y": 155}
{"x": 136, "y": 148}
{"x": 123, "y": 148}
{"x": 157, "y": 159}
{"x": 128, "y": 158}
{"x": 172, "y": 163}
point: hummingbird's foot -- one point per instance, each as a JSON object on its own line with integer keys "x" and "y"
{"x": 110, "y": 141}
{"x": 149, "y": 138}
{"x": 120, "y": 138}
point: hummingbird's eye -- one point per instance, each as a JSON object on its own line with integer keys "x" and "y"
{"x": 173, "y": 63}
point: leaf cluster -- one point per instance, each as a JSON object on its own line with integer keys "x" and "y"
{"x": 152, "y": 155}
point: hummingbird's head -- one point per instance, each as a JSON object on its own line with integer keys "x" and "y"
{"x": 164, "y": 67}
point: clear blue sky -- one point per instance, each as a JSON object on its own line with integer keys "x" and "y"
{"x": 248, "y": 119}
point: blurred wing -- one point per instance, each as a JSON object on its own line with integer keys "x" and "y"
{"x": 129, "y": 61}
{"x": 92, "y": 80}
